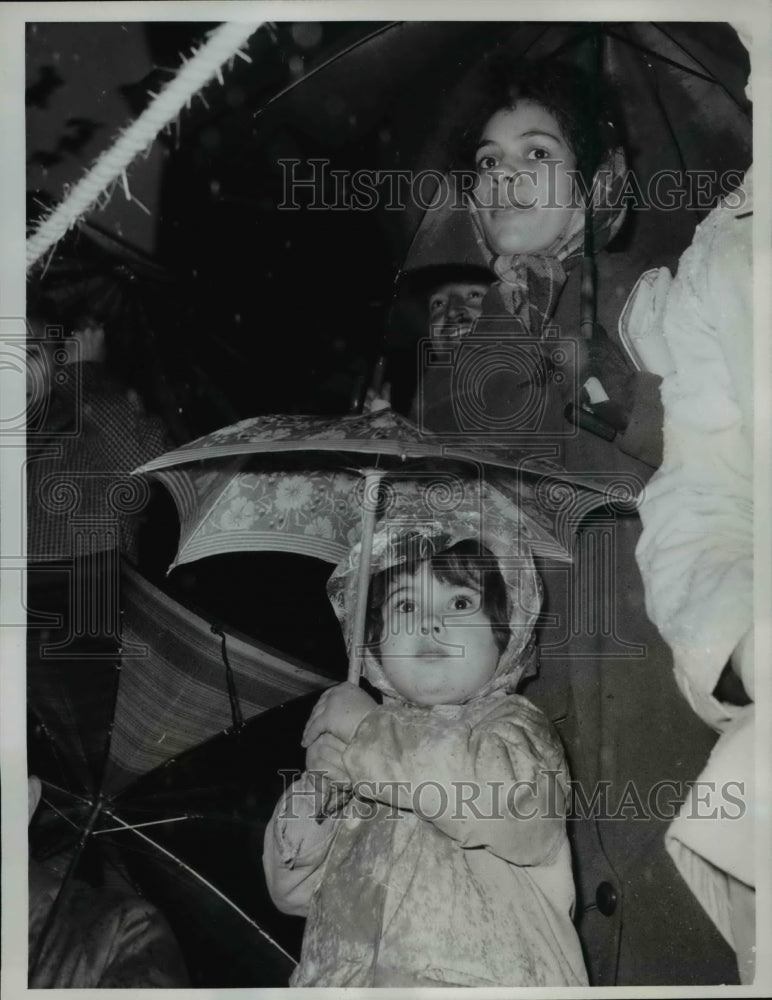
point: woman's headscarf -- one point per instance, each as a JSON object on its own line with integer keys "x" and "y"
{"x": 417, "y": 525}
{"x": 529, "y": 284}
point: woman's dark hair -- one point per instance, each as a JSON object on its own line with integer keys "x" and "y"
{"x": 567, "y": 92}
{"x": 465, "y": 564}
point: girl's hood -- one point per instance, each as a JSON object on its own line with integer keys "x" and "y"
{"x": 429, "y": 518}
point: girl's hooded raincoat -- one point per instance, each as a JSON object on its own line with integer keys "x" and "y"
{"x": 450, "y": 865}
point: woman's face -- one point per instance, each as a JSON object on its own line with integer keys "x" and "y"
{"x": 525, "y": 196}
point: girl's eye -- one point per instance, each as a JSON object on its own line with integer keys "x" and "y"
{"x": 474, "y": 296}
{"x": 463, "y": 603}
{"x": 406, "y": 606}
{"x": 436, "y": 305}
{"x": 539, "y": 153}
{"x": 486, "y": 162}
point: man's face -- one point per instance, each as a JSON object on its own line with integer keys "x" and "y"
{"x": 454, "y": 307}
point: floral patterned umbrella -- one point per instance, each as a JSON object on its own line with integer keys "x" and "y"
{"x": 316, "y": 486}
{"x": 292, "y": 483}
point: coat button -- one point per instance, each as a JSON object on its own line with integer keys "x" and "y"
{"x": 606, "y": 898}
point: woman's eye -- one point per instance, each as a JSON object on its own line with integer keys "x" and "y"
{"x": 486, "y": 162}
{"x": 436, "y": 305}
{"x": 539, "y": 153}
{"x": 474, "y": 297}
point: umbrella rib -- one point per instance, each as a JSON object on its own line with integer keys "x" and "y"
{"x": 208, "y": 884}
{"x": 328, "y": 62}
{"x": 60, "y": 814}
{"x": 699, "y": 62}
{"x": 534, "y": 40}
{"x": 136, "y": 826}
{"x": 658, "y": 100}
{"x": 662, "y": 58}
{"x": 573, "y": 40}
{"x": 66, "y": 791}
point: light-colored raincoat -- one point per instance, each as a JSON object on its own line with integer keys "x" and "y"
{"x": 453, "y": 885}
{"x": 696, "y": 550}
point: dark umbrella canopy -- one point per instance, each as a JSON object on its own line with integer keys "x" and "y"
{"x": 188, "y": 836}
{"x": 109, "y": 721}
{"x": 295, "y": 297}
{"x": 678, "y": 89}
{"x": 285, "y": 302}
{"x": 109, "y": 739}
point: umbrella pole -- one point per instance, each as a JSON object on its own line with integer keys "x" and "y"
{"x": 372, "y": 480}
{"x": 335, "y": 797}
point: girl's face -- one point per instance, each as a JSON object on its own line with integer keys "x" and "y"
{"x": 525, "y": 196}
{"x": 437, "y": 645}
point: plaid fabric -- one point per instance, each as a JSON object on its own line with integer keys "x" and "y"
{"x": 82, "y": 444}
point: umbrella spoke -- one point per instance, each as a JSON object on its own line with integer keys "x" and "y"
{"x": 61, "y": 815}
{"x": 85, "y": 800}
{"x": 209, "y": 885}
{"x": 328, "y": 62}
{"x": 658, "y": 55}
{"x": 574, "y": 40}
{"x": 712, "y": 77}
{"x": 136, "y": 826}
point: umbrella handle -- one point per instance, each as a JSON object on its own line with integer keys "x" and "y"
{"x": 372, "y": 480}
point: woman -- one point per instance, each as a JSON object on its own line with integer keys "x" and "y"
{"x": 605, "y": 672}
{"x": 532, "y": 150}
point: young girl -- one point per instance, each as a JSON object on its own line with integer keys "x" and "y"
{"x": 449, "y": 864}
